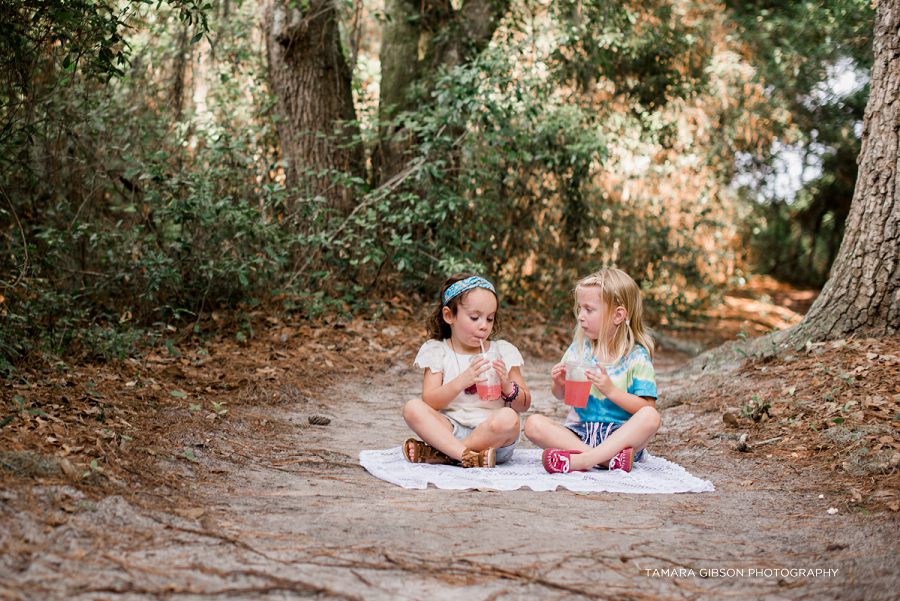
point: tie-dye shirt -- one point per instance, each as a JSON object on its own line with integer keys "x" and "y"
{"x": 633, "y": 373}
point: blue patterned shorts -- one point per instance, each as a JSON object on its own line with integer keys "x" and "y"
{"x": 594, "y": 433}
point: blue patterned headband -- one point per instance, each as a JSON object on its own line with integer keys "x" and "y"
{"x": 467, "y": 284}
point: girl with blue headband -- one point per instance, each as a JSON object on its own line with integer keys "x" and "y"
{"x": 454, "y": 424}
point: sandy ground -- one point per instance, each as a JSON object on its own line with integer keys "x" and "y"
{"x": 296, "y": 517}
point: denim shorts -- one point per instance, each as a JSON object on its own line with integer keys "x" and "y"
{"x": 461, "y": 432}
{"x": 594, "y": 433}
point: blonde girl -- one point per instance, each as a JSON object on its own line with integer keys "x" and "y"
{"x": 454, "y": 425}
{"x": 620, "y": 417}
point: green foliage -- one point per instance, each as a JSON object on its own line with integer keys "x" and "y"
{"x": 136, "y": 219}
{"x": 797, "y": 242}
{"x": 510, "y": 180}
{"x": 44, "y": 44}
{"x": 467, "y": 202}
{"x": 811, "y": 112}
{"x": 588, "y": 134}
{"x": 652, "y": 52}
{"x": 755, "y": 409}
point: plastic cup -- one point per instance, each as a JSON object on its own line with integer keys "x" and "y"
{"x": 578, "y": 387}
{"x": 489, "y": 389}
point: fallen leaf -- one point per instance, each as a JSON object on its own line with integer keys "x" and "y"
{"x": 209, "y": 524}
{"x": 192, "y": 514}
{"x": 173, "y": 371}
{"x": 68, "y": 469}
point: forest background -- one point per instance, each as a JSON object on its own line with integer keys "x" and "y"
{"x": 152, "y": 173}
{"x": 221, "y": 225}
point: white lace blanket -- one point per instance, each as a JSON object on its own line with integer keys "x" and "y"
{"x": 651, "y": 475}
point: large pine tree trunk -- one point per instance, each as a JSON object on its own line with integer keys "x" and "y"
{"x": 311, "y": 79}
{"x": 862, "y": 296}
{"x": 419, "y": 37}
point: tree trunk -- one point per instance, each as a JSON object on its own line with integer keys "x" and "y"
{"x": 418, "y": 38}
{"x": 310, "y": 77}
{"x": 862, "y": 296}
{"x": 180, "y": 67}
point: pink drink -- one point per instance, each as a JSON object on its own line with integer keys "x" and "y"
{"x": 577, "y": 393}
{"x": 578, "y": 387}
{"x": 488, "y": 392}
{"x": 489, "y": 389}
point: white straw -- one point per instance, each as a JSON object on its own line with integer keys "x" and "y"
{"x": 481, "y": 342}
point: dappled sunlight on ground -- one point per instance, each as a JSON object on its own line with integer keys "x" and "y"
{"x": 761, "y": 306}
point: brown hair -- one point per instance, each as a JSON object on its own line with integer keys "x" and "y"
{"x": 435, "y": 326}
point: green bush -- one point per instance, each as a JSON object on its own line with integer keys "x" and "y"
{"x": 512, "y": 180}
{"x": 129, "y": 216}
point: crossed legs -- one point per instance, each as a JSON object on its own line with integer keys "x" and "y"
{"x": 635, "y": 433}
{"x": 499, "y": 430}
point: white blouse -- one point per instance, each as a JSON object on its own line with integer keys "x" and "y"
{"x": 467, "y": 409}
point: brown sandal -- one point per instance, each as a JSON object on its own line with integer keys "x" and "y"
{"x": 485, "y": 458}
{"x": 425, "y": 453}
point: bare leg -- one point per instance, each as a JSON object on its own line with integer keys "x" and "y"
{"x": 547, "y": 434}
{"x": 635, "y": 433}
{"x": 433, "y": 428}
{"x": 499, "y": 430}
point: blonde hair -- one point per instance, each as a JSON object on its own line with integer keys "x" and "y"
{"x": 616, "y": 289}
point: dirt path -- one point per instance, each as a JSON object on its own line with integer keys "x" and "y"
{"x": 297, "y": 517}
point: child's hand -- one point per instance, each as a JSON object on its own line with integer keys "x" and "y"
{"x": 476, "y": 370}
{"x": 558, "y": 374}
{"x": 501, "y": 370}
{"x": 600, "y": 379}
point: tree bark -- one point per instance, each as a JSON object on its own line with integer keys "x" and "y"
{"x": 180, "y": 67}
{"x": 311, "y": 79}
{"x": 862, "y": 295}
{"x": 418, "y": 38}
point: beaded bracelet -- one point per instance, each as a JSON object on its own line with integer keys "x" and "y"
{"x": 508, "y": 400}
